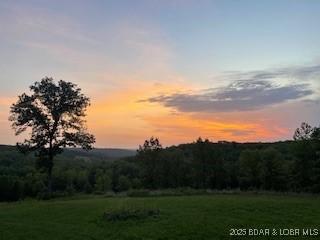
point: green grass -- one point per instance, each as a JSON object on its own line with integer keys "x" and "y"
{"x": 183, "y": 217}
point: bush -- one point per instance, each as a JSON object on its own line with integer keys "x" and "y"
{"x": 138, "y": 193}
{"x": 127, "y": 214}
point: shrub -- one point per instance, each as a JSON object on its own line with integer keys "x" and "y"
{"x": 138, "y": 193}
{"x": 128, "y": 214}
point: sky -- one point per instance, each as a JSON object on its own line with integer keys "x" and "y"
{"x": 223, "y": 70}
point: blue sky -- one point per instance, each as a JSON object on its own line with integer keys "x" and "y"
{"x": 110, "y": 48}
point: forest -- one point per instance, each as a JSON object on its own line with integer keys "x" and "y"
{"x": 288, "y": 166}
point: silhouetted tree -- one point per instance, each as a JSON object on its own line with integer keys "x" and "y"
{"x": 315, "y": 133}
{"x": 200, "y": 161}
{"x": 304, "y": 132}
{"x": 272, "y": 170}
{"x": 54, "y": 115}
{"x": 148, "y": 155}
{"x": 249, "y": 163}
{"x": 124, "y": 183}
{"x": 306, "y": 165}
{"x": 303, "y": 165}
{"x": 153, "y": 144}
{"x": 103, "y": 182}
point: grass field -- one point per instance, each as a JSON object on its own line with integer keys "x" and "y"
{"x": 183, "y": 217}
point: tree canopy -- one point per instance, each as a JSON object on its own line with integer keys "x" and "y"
{"x": 53, "y": 113}
{"x": 306, "y": 132}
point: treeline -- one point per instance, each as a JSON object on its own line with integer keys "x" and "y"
{"x": 22, "y": 176}
{"x": 283, "y": 166}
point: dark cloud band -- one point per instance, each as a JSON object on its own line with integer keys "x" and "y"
{"x": 251, "y": 91}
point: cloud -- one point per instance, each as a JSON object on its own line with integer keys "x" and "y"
{"x": 241, "y": 95}
{"x": 247, "y": 91}
{"x": 303, "y": 73}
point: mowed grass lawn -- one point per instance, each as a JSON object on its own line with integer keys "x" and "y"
{"x": 182, "y": 217}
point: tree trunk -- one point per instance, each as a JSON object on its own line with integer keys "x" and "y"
{"x": 50, "y": 165}
{"x": 50, "y": 179}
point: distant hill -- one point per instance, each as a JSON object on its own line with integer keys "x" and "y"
{"x": 8, "y": 152}
{"x": 111, "y": 153}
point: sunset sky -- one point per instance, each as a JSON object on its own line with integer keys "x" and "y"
{"x": 180, "y": 69}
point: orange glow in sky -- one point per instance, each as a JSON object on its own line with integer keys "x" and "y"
{"x": 177, "y": 70}
{"x": 122, "y": 119}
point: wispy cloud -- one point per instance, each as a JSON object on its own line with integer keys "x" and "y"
{"x": 247, "y": 91}
{"x": 303, "y": 73}
{"x": 35, "y": 22}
